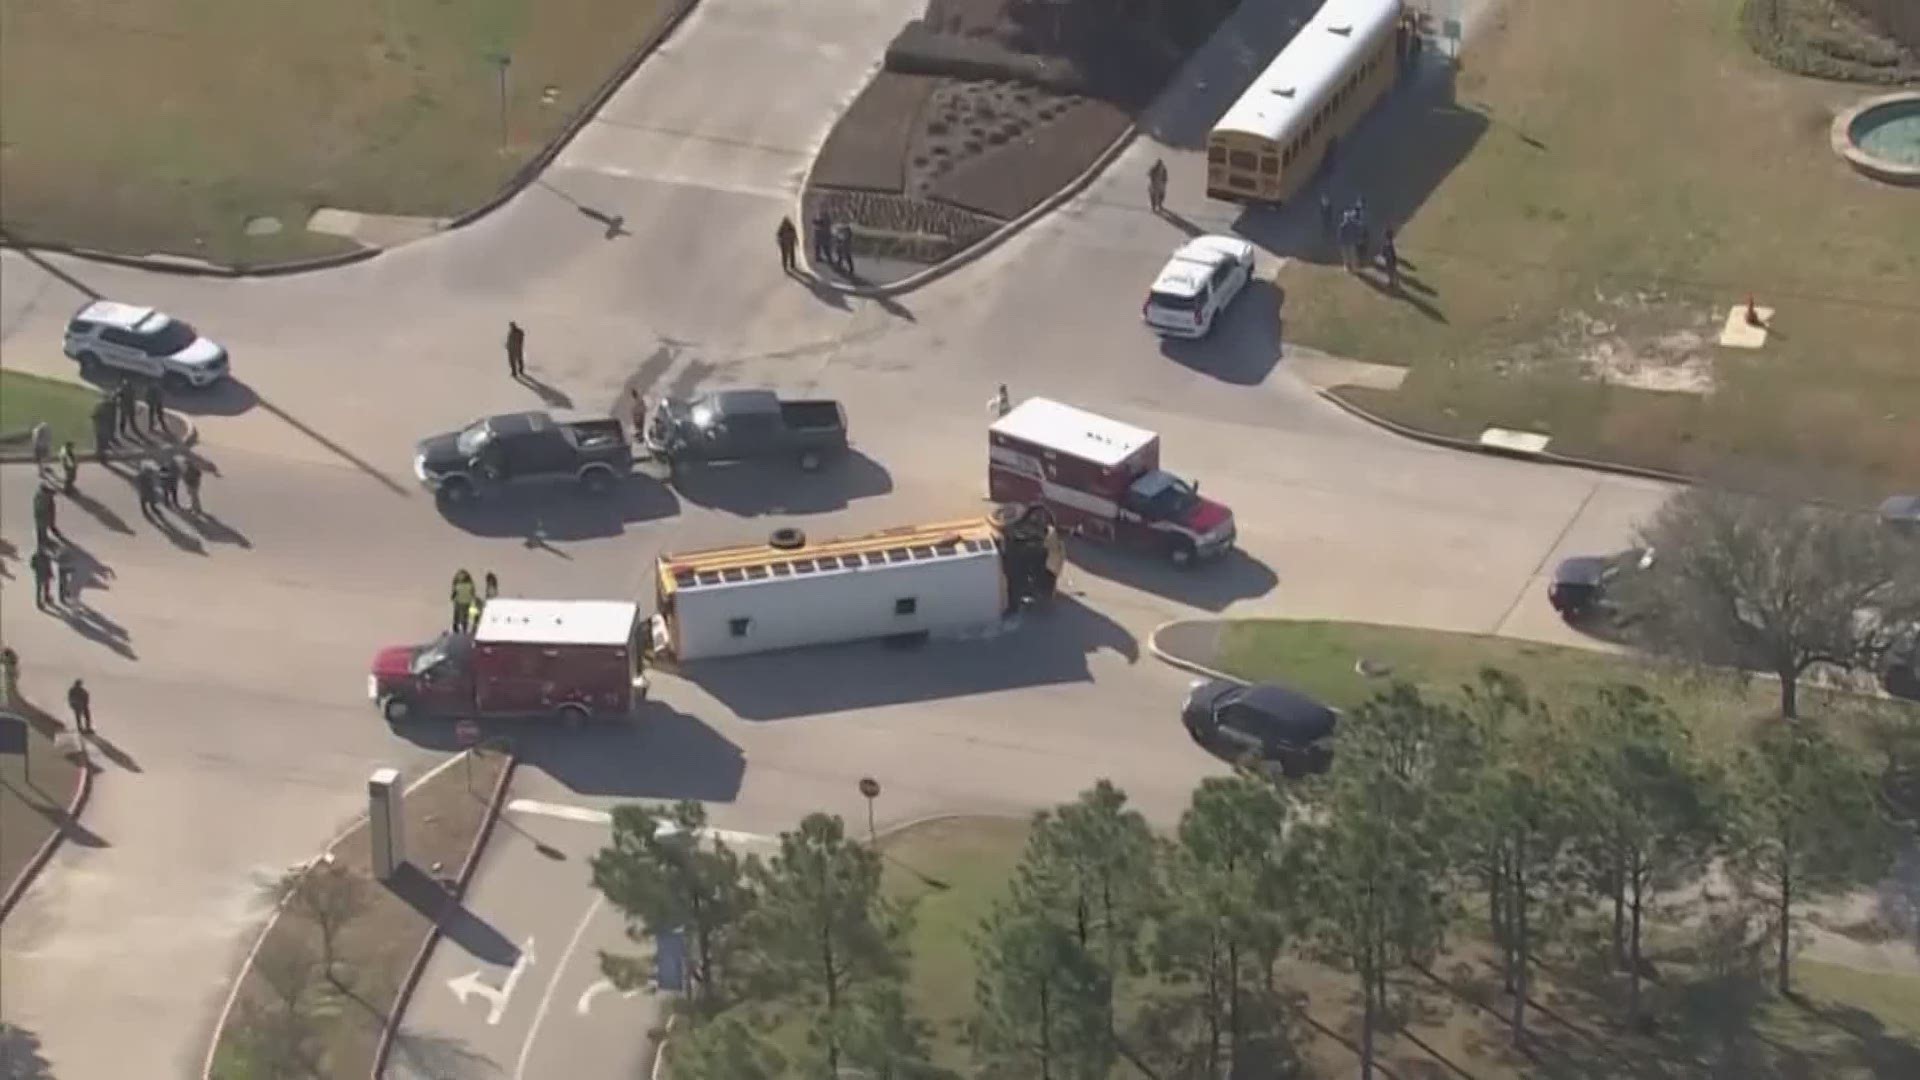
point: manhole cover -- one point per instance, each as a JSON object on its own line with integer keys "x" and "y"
{"x": 263, "y": 226}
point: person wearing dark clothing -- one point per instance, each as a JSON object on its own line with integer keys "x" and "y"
{"x": 1390, "y": 258}
{"x": 823, "y": 236}
{"x": 462, "y": 598}
{"x": 81, "y": 703}
{"x": 1326, "y": 217}
{"x": 146, "y": 483}
{"x": 843, "y": 247}
{"x": 42, "y": 565}
{"x": 124, "y": 419}
{"x": 44, "y": 524}
{"x": 170, "y": 483}
{"x": 1349, "y": 235}
{"x": 104, "y": 420}
{"x": 65, "y": 573}
{"x": 69, "y": 467}
{"x": 156, "y": 414}
{"x": 788, "y": 238}
{"x": 490, "y": 586}
{"x": 516, "y": 351}
{"x": 190, "y": 472}
{"x": 1157, "y": 185}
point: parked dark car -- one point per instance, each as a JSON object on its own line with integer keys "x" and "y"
{"x": 1275, "y": 723}
{"x": 523, "y": 448}
{"x": 746, "y": 425}
{"x": 1901, "y": 512}
{"x": 1581, "y": 583}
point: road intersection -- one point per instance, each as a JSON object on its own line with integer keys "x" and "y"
{"x": 237, "y": 691}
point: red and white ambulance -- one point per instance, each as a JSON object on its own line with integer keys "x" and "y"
{"x": 1102, "y": 480}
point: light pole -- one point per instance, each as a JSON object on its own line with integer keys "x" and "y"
{"x": 871, "y": 789}
{"x": 503, "y": 61}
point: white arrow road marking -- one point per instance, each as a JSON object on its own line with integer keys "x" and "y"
{"x": 594, "y": 991}
{"x": 546, "y": 998}
{"x": 467, "y": 985}
{"x": 588, "y": 815}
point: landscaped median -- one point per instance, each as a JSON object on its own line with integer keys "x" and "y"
{"x": 42, "y": 792}
{"x": 324, "y": 987}
{"x": 985, "y": 109}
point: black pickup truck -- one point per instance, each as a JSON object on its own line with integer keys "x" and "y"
{"x": 523, "y": 448}
{"x": 746, "y": 425}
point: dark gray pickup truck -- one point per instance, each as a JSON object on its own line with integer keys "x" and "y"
{"x": 746, "y": 425}
{"x": 523, "y": 448}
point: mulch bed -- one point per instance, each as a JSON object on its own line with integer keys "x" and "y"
{"x": 985, "y": 109}
{"x": 442, "y": 817}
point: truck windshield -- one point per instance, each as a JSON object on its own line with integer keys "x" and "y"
{"x": 473, "y": 439}
{"x": 705, "y": 413}
{"x": 1163, "y": 495}
{"x": 438, "y": 652}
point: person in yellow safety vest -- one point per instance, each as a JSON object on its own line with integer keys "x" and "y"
{"x": 462, "y": 597}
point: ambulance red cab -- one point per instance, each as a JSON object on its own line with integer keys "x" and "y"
{"x": 1102, "y": 480}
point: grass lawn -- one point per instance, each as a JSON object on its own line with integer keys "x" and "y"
{"x": 34, "y": 791}
{"x": 442, "y": 816}
{"x": 188, "y": 118}
{"x": 1846, "y": 1025}
{"x": 67, "y": 408}
{"x": 1615, "y": 176}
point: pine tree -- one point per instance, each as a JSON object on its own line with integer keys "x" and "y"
{"x": 1043, "y": 1003}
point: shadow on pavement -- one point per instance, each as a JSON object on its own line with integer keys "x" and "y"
{"x": 1208, "y": 586}
{"x": 20, "y": 1054}
{"x": 551, "y": 396}
{"x": 90, "y": 623}
{"x": 751, "y": 489}
{"x": 100, "y": 511}
{"x": 1043, "y": 648}
{"x": 69, "y": 827}
{"x": 419, "y": 1057}
{"x": 228, "y": 397}
{"x": 113, "y": 752}
{"x": 1245, "y": 343}
{"x": 560, "y": 512}
{"x": 427, "y": 896}
{"x": 1218, "y": 72}
{"x": 1396, "y": 159}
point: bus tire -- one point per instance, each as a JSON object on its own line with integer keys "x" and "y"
{"x": 573, "y": 715}
{"x": 1181, "y": 554}
{"x": 787, "y": 539}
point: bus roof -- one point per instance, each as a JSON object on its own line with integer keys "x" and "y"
{"x": 556, "y": 622}
{"x": 1308, "y": 70}
{"x": 755, "y": 562}
{"x": 1074, "y": 432}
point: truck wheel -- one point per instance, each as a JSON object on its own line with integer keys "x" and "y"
{"x": 396, "y": 710}
{"x": 809, "y": 461}
{"x": 456, "y": 490}
{"x": 597, "y": 481}
{"x": 90, "y": 366}
{"x": 572, "y": 716}
{"x": 787, "y": 539}
{"x": 1181, "y": 555}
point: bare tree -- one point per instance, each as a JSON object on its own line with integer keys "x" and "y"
{"x": 1769, "y": 585}
{"x": 274, "y": 1034}
{"x": 331, "y": 896}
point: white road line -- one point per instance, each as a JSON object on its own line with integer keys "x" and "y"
{"x": 589, "y": 816}
{"x": 546, "y": 998}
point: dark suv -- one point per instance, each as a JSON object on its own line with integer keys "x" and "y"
{"x": 1275, "y": 723}
{"x": 1580, "y": 584}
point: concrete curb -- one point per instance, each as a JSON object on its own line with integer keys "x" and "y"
{"x": 189, "y": 436}
{"x": 419, "y": 966}
{"x": 986, "y": 244}
{"x": 17, "y": 890}
{"x": 1172, "y": 659}
{"x": 527, "y": 174}
{"x": 240, "y": 977}
{"x": 1452, "y": 442}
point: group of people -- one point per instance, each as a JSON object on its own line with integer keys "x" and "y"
{"x": 117, "y": 414}
{"x": 55, "y": 572}
{"x": 832, "y": 243}
{"x": 469, "y": 602}
{"x": 1354, "y": 234}
{"x": 158, "y": 484}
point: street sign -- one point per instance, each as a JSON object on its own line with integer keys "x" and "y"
{"x": 466, "y": 732}
{"x": 670, "y": 960}
{"x": 869, "y": 787}
{"x": 13, "y": 734}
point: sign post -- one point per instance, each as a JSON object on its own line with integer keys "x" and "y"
{"x": 467, "y": 734}
{"x": 870, "y": 788}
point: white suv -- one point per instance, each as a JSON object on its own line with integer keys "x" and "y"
{"x": 1198, "y": 283}
{"x": 145, "y": 342}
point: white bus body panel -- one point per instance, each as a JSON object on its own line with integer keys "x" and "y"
{"x": 951, "y": 595}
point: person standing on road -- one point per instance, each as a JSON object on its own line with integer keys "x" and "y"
{"x": 42, "y": 566}
{"x": 9, "y": 675}
{"x": 44, "y": 523}
{"x": 1157, "y": 185}
{"x": 64, "y": 574}
{"x": 170, "y": 482}
{"x": 823, "y": 236}
{"x": 81, "y": 703}
{"x": 42, "y": 445}
{"x": 462, "y": 597}
{"x": 69, "y": 467}
{"x": 190, "y": 472}
{"x": 490, "y": 586}
{"x": 156, "y": 412}
{"x": 1349, "y": 236}
{"x": 146, "y": 483}
{"x": 1000, "y": 404}
{"x": 1390, "y": 258}
{"x": 516, "y": 351}
{"x": 124, "y": 409}
{"x": 788, "y": 238}
{"x": 1326, "y": 217}
{"x": 843, "y": 247}
{"x": 104, "y": 417}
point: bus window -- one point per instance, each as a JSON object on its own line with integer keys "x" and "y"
{"x": 1216, "y": 155}
{"x": 1270, "y": 165}
{"x": 1242, "y": 159}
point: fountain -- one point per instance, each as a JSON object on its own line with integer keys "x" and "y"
{"x": 1880, "y": 137}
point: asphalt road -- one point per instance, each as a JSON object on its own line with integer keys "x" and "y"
{"x": 228, "y": 659}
